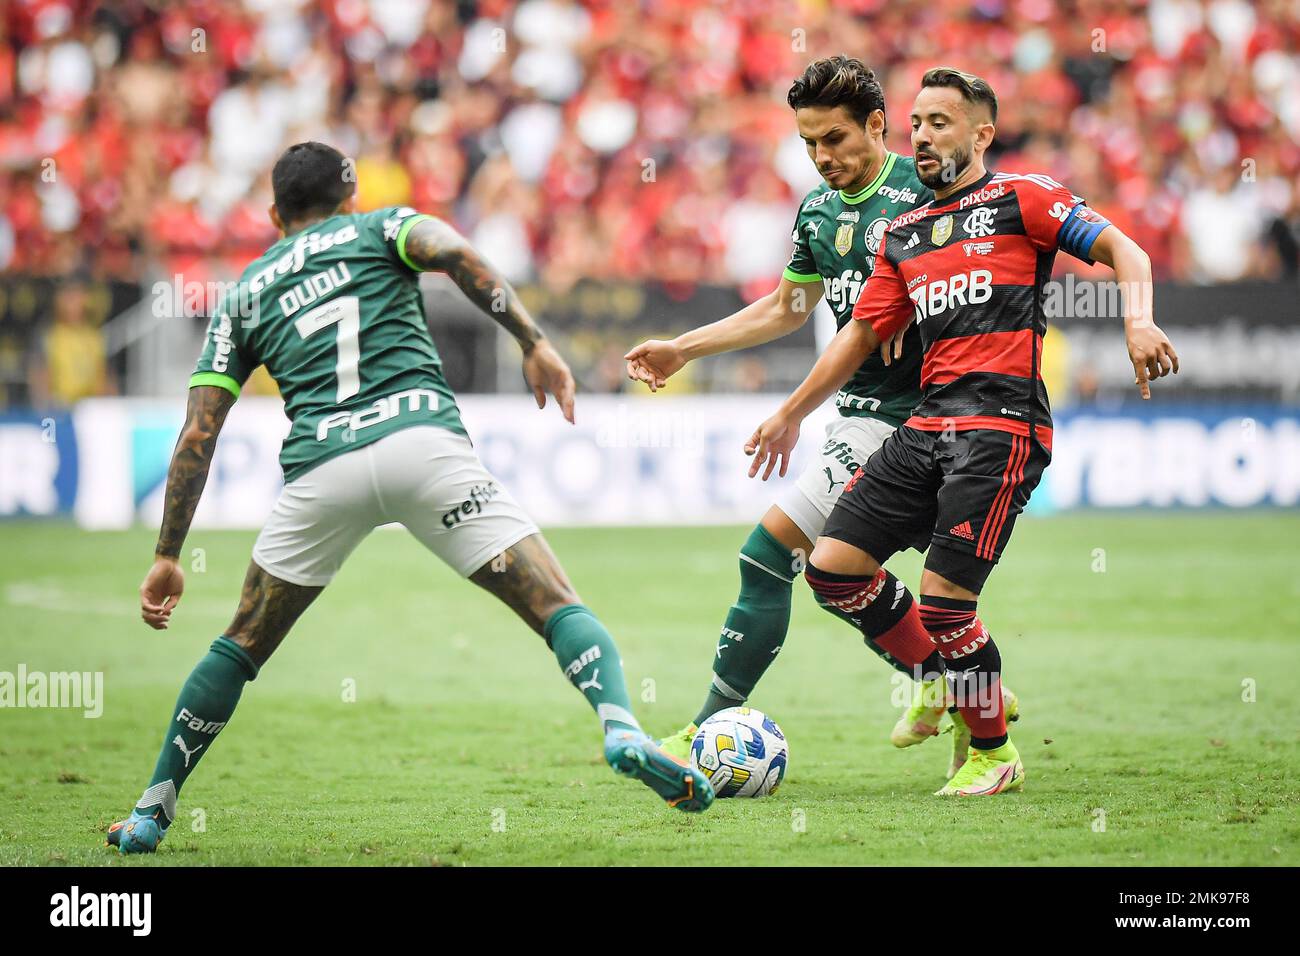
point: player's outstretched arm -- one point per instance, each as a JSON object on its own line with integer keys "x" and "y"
{"x": 1149, "y": 349}
{"x": 777, "y": 436}
{"x": 186, "y": 476}
{"x": 776, "y": 314}
{"x": 435, "y": 246}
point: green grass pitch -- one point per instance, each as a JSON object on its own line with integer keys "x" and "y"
{"x": 1156, "y": 658}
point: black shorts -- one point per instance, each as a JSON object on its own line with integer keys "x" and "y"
{"x": 959, "y": 492}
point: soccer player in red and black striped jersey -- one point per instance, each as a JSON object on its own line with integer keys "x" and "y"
{"x": 970, "y": 268}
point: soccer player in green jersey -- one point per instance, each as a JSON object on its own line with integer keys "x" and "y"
{"x": 840, "y": 112}
{"x": 333, "y": 310}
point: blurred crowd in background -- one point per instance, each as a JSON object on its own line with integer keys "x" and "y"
{"x": 619, "y": 141}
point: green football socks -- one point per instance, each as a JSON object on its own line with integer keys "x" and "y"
{"x": 590, "y": 660}
{"x": 206, "y": 703}
{"x": 756, "y": 625}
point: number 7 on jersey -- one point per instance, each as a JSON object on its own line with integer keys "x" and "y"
{"x": 344, "y": 313}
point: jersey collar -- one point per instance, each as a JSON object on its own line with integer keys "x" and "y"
{"x": 958, "y": 197}
{"x": 876, "y": 183}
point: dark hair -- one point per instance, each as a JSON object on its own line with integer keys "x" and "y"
{"x": 838, "y": 81}
{"x": 311, "y": 178}
{"x": 973, "y": 89}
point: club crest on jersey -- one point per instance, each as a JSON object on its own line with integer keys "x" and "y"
{"x": 980, "y": 222}
{"x": 844, "y": 238}
{"x": 941, "y": 231}
{"x": 876, "y": 234}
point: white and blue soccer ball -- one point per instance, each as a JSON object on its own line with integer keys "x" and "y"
{"x": 742, "y": 751}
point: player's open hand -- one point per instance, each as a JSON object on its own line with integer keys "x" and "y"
{"x": 775, "y": 439}
{"x": 161, "y": 592}
{"x": 892, "y": 347}
{"x": 547, "y": 373}
{"x": 654, "y": 362}
{"x": 1151, "y": 353}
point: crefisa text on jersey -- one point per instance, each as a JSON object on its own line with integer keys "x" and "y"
{"x": 843, "y": 290}
{"x": 295, "y": 259}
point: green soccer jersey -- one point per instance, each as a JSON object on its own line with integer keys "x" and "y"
{"x": 334, "y": 313}
{"x": 836, "y": 237}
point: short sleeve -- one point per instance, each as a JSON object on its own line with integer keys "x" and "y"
{"x": 1055, "y": 218}
{"x": 801, "y": 267}
{"x": 223, "y": 362}
{"x": 396, "y": 223}
{"x": 884, "y": 301}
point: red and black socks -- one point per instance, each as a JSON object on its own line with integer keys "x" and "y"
{"x": 974, "y": 667}
{"x": 883, "y": 610}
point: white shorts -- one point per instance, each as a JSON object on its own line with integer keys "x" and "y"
{"x": 426, "y": 478}
{"x": 849, "y": 443}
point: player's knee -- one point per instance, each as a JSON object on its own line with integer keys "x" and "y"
{"x": 767, "y": 567}
{"x": 837, "y": 557}
{"x": 831, "y": 587}
{"x": 783, "y": 529}
{"x": 936, "y": 584}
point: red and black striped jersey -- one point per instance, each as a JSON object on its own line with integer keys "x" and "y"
{"x": 971, "y": 268}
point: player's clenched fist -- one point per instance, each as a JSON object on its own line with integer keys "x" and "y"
{"x": 654, "y": 362}
{"x": 160, "y": 592}
{"x": 775, "y": 439}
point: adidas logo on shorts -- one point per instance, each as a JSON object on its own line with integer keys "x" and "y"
{"x": 963, "y": 530}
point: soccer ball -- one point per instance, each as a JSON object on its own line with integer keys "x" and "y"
{"x": 742, "y": 751}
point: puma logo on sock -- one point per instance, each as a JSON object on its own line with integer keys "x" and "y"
{"x": 179, "y": 741}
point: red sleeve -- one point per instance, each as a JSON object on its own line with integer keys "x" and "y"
{"x": 1044, "y": 205}
{"x": 884, "y": 302}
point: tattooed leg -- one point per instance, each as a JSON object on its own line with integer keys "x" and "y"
{"x": 531, "y": 581}
{"x": 534, "y": 585}
{"x": 268, "y": 608}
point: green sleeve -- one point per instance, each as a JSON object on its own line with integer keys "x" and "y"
{"x": 801, "y": 267}
{"x": 396, "y": 223}
{"x": 401, "y": 239}
{"x": 225, "y": 361}
{"x": 217, "y": 379}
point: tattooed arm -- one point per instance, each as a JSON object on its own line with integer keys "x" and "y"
{"x": 162, "y": 587}
{"x": 435, "y": 246}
